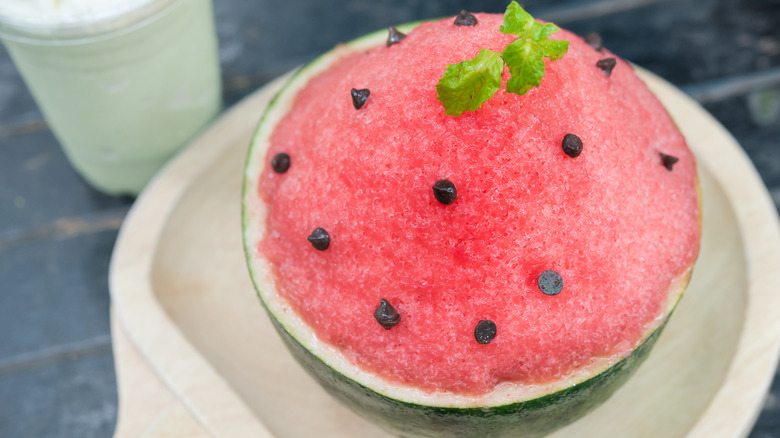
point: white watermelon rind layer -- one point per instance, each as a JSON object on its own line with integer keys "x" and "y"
{"x": 514, "y": 409}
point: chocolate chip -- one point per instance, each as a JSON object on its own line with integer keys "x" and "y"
{"x": 386, "y": 315}
{"x": 444, "y": 191}
{"x": 319, "y": 239}
{"x": 485, "y": 331}
{"x": 668, "y": 161}
{"x": 465, "y": 18}
{"x": 280, "y": 163}
{"x": 572, "y": 145}
{"x": 606, "y": 65}
{"x": 594, "y": 40}
{"x": 550, "y": 282}
{"x": 359, "y": 97}
{"x": 393, "y": 36}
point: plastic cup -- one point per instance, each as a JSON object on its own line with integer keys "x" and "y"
{"x": 123, "y": 85}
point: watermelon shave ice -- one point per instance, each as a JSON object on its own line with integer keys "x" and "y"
{"x": 452, "y": 250}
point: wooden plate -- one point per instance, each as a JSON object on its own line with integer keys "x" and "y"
{"x": 184, "y": 299}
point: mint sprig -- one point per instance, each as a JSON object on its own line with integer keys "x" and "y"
{"x": 466, "y": 85}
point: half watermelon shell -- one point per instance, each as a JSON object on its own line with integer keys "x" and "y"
{"x": 523, "y": 410}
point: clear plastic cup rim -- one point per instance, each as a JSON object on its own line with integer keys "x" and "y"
{"x": 110, "y": 24}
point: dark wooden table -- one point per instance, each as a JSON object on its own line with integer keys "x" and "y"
{"x": 56, "y": 233}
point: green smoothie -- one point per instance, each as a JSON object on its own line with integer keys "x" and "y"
{"x": 121, "y": 93}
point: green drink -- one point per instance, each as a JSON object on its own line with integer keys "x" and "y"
{"x": 123, "y": 84}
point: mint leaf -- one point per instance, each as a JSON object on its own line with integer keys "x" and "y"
{"x": 553, "y": 49}
{"x": 541, "y": 31}
{"x": 466, "y": 85}
{"x": 516, "y": 20}
{"x": 526, "y": 66}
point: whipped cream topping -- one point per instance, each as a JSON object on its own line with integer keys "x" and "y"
{"x": 66, "y": 13}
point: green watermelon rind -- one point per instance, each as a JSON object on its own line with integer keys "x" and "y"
{"x": 528, "y": 418}
{"x": 532, "y": 418}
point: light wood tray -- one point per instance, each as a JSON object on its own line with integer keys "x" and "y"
{"x": 196, "y": 354}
